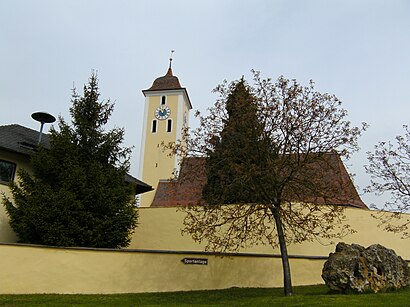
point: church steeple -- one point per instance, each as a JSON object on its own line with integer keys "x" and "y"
{"x": 166, "y": 114}
{"x": 166, "y": 82}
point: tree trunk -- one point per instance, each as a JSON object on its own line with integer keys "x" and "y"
{"x": 287, "y": 281}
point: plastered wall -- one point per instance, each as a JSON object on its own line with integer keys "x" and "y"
{"x": 26, "y": 269}
{"x": 160, "y": 228}
{"x": 153, "y": 261}
{"x": 6, "y": 233}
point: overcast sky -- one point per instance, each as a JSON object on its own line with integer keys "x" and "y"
{"x": 358, "y": 50}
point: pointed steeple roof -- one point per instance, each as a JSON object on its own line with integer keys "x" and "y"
{"x": 166, "y": 82}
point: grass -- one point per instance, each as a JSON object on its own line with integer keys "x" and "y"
{"x": 304, "y": 296}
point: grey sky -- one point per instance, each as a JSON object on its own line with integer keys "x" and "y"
{"x": 358, "y": 50}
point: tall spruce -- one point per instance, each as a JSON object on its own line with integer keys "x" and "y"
{"x": 76, "y": 194}
{"x": 235, "y": 151}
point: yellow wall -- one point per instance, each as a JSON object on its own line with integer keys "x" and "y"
{"x": 159, "y": 228}
{"x": 6, "y": 233}
{"x": 156, "y": 163}
{"x": 29, "y": 269}
{"x": 25, "y": 269}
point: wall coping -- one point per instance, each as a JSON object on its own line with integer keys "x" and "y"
{"x": 174, "y": 252}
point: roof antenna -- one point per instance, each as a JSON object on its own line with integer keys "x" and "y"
{"x": 43, "y": 118}
{"x": 170, "y": 58}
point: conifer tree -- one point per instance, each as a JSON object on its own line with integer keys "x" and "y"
{"x": 76, "y": 194}
{"x": 235, "y": 151}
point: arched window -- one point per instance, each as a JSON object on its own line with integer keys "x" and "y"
{"x": 163, "y": 99}
{"x": 169, "y": 125}
{"x": 154, "y": 126}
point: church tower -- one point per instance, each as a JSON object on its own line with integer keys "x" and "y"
{"x": 166, "y": 113}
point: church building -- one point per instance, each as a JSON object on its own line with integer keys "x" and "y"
{"x": 164, "y": 259}
{"x": 166, "y": 114}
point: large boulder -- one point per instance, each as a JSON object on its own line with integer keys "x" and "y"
{"x": 353, "y": 268}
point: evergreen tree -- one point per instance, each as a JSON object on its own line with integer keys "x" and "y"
{"x": 76, "y": 194}
{"x": 234, "y": 156}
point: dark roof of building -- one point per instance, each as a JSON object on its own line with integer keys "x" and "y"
{"x": 141, "y": 187}
{"x": 22, "y": 140}
{"x": 167, "y": 82}
{"x": 329, "y": 173}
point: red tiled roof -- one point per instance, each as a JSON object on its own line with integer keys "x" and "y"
{"x": 329, "y": 172}
{"x": 184, "y": 191}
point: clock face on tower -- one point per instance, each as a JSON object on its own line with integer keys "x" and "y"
{"x": 162, "y": 112}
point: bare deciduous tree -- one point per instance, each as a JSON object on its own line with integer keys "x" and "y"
{"x": 389, "y": 167}
{"x": 291, "y": 164}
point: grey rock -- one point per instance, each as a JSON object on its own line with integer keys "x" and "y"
{"x": 353, "y": 268}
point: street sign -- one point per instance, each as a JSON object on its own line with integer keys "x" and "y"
{"x": 201, "y": 261}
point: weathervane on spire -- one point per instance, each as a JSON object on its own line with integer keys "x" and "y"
{"x": 170, "y": 58}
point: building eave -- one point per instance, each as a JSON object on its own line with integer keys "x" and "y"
{"x": 149, "y": 92}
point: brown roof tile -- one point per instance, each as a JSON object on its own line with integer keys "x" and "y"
{"x": 329, "y": 172}
{"x": 167, "y": 82}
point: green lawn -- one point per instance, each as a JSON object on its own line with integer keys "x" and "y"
{"x": 304, "y": 296}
